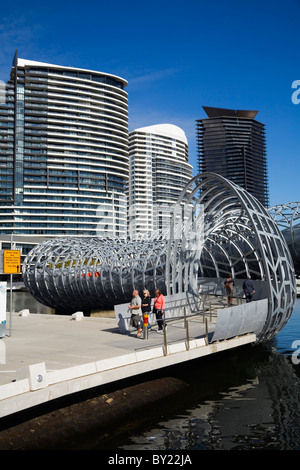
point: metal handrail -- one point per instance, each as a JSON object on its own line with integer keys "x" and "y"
{"x": 186, "y": 322}
{"x": 190, "y": 318}
{"x": 206, "y": 311}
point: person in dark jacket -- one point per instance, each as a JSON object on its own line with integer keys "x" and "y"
{"x": 248, "y": 288}
{"x": 229, "y": 287}
{"x": 146, "y": 306}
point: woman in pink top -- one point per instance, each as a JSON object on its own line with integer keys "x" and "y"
{"x": 159, "y": 308}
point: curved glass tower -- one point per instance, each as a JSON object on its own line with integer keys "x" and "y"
{"x": 159, "y": 170}
{"x": 63, "y": 152}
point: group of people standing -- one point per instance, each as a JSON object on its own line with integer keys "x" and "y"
{"x": 142, "y": 306}
{"x": 248, "y": 288}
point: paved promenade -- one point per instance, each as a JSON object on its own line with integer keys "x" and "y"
{"x": 61, "y": 342}
{"x": 49, "y": 356}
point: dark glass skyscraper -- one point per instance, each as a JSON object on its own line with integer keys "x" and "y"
{"x": 232, "y": 144}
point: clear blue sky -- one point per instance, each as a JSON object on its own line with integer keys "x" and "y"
{"x": 178, "y": 56}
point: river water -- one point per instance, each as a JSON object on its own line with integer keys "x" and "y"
{"x": 247, "y": 398}
{"x": 22, "y": 300}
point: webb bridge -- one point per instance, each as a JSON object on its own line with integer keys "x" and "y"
{"x": 217, "y": 229}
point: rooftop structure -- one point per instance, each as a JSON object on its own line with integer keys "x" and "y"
{"x": 231, "y": 143}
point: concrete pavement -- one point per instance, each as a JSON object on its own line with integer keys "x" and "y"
{"x": 61, "y": 342}
{"x": 50, "y": 356}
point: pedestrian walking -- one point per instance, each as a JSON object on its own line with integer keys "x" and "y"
{"x": 136, "y": 312}
{"x": 146, "y": 307}
{"x": 229, "y": 287}
{"x": 159, "y": 308}
{"x": 248, "y": 288}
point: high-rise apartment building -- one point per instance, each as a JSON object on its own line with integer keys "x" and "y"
{"x": 158, "y": 171}
{"x": 232, "y": 144}
{"x": 63, "y": 152}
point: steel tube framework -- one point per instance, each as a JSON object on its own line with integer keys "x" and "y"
{"x": 241, "y": 238}
{"x": 217, "y": 228}
{"x": 287, "y": 217}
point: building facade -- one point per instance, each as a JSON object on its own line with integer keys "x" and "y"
{"x": 158, "y": 171}
{"x": 232, "y": 144}
{"x": 63, "y": 152}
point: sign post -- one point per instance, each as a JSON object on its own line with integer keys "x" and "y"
{"x": 11, "y": 265}
{"x": 11, "y": 261}
{"x": 3, "y": 286}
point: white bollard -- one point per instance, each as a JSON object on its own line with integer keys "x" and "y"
{"x": 36, "y": 375}
{"x": 24, "y": 313}
{"x": 77, "y": 316}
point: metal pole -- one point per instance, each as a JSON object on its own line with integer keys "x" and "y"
{"x": 10, "y": 302}
{"x": 187, "y": 335}
{"x": 206, "y": 331}
{"x": 11, "y": 278}
{"x": 145, "y": 326}
{"x": 165, "y": 339}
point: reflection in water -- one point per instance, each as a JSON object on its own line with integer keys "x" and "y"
{"x": 260, "y": 413}
{"x": 21, "y": 300}
{"x": 253, "y": 403}
{"x": 245, "y": 399}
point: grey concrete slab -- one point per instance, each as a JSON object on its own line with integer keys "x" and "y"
{"x": 49, "y": 356}
{"x": 61, "y": 342}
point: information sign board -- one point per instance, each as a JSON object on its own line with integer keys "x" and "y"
{"x": 11, "y": 261}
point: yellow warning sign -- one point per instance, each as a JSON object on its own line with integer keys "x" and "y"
{"x": 11, "y": 261}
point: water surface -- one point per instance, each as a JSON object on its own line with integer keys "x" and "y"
{"x": 247, "y": 399}
{"x": 244, "y": 399}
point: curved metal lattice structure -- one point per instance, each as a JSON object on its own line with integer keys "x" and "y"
{"x": 217, "y": 228}
{"x": 239, "y": 237}
{"x": 72, "y": 274}
{"x": 287, "y": 217}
